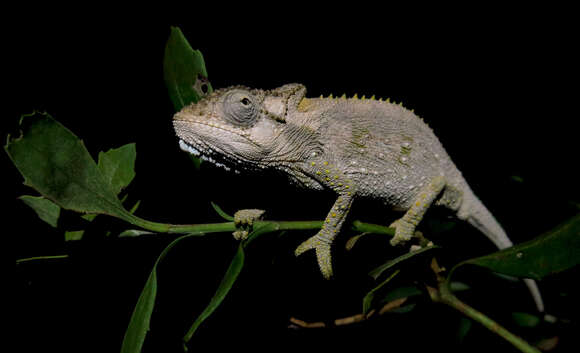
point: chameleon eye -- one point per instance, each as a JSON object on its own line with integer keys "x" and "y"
{"x": 240, "y": 109}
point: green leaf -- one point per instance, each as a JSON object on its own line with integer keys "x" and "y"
{"x": 401, "y": 292}
{"x": 463, "y": 329}
{"x": 458, "y": 286}
{"x": 135, "y": 207}
{"x": 353, "y": 240}
{"x": 264, "y": 228}
{"x": 229, "y": 279}
{"x": 223, "y": 289}
{"x": 141, "y": 317}
{"x": 525, "y": 319}
{"x": 73, "y": 235}
{"x": 404, "y": 309}
{"x": 221, "y": 212}
{"x": 56, "y": 163}
{"x": 379, "y": 270}
{"x": 41, "y": 258}
{"x": 184, "y": 71}
{"x": 368, "y": 299}
{"x": 46, "y": 210}
{"x": 118, "y": 166}
{"x": 196, "y": 161}
{"x": 412, "y": 291}
{"x": 552, "y": 252}
{"x": 89, "y": 217}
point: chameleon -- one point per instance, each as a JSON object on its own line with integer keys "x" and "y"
{"x": 356, "y": 147}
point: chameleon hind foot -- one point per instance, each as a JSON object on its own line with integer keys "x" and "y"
{"x": 405, "y": 226}
{"x": 244, "y": 221}
{"x": 404, "y": 231}
{"x": 322, "y": 247}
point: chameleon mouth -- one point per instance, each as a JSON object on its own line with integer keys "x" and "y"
{"x": 207, "y": 155}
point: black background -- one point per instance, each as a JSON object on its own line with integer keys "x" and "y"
{"x": 496, "y": 84}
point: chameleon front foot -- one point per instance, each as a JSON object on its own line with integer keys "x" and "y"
{"x": 244, "y": 221}
{"x": 322, "y": 247}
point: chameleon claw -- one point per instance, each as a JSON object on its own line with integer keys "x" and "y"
{"x": 322, "y": 248}
{"x": 240, "y": 234}
{"x": 244, "y": 221}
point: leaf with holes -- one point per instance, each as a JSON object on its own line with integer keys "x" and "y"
{"x": 184, "y": 71}
{"x": 56, "y": 163}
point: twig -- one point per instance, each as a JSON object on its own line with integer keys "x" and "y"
{"x": 29, "y": 259}
{"x": 443, "y": 294}
{"x": 351, "y": 319}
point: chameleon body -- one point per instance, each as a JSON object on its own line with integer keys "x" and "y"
{"x": 359, "y": 148}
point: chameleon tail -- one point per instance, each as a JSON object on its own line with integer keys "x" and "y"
{"x": 473, "y": 211}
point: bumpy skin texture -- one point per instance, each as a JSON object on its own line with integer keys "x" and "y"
{"x": 355, "y": 147}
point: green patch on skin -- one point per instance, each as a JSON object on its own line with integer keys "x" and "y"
{"x": 405, "y": 150}
{"x": 406, "y": 145}
{"x": 403, "y": 160}
{"x": 360, "y": 136}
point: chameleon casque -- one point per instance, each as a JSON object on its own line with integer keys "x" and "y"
{"x": 359, "y": 148}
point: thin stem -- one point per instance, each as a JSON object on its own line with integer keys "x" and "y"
{"x": 444, "y": 295}
{"x": 230, "y": 226}
{"x": 53, "y": 257}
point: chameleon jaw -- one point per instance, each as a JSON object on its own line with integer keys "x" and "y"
{"x": 204, "y": 156}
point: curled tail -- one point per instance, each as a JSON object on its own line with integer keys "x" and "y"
{"x": 473, "y": 211}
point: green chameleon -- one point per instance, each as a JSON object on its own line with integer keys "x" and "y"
{"x": 359, "y": 148}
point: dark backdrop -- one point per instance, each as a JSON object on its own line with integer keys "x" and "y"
{"x": 497, "y": 86}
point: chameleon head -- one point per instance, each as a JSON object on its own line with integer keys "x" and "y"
{"x": 237, "y": 125}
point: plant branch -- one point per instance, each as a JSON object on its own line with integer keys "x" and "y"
{"x": 201, "y": 229}
{"x": 353, "y": 318}
{"x": 443, "y": 294}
